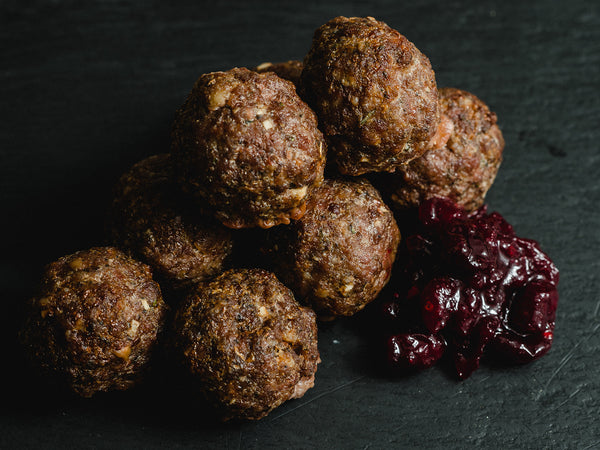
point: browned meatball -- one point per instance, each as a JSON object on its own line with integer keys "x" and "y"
{"x": 374, "y": 93}
{"x": 339, "y": 255}
{"x": 289, "y": 70}
{"x": 247, "y": 145}
{"x": 152, "y": 217}
{"x": 465, "y": 168}
{"x": 96, "y": 320}
{"x": 247, "y": 342}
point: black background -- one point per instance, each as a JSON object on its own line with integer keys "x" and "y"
{"x": 89, "y": 88}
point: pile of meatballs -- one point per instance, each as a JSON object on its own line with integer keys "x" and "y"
{"x": 274, "y": 208}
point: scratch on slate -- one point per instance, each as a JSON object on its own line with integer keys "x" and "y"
{"x": 330, "y": 391}
{"x": 483, "y": 380}
{"x": 568, "y": 356}
{"x": 564, "y": 361}
{"x": 528, "y": 428}
{"x": 592, "y": 445}
{"x": 597, "y": 310}
{"x": 573, "y": 394}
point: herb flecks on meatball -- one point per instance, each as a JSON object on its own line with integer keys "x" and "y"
{"x": 247, "y": 342}
{"x": 246, "y": 145}
{"x": 95, "y": 322}
{"x": 154, "y": 219}
{"x": 339, "y": 255}
{"x": 462, "y": 170}
{"x": 374, "y": 93}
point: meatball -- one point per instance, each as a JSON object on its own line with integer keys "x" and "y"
{"x": 96, "y": 320}
{"x": 374, "y": 93}
{"x": 339, "y": 256}
{"x": 154, "y": 219}
{"x": 289, "y": 70}
{"x": 247, "y": 342}
{"x": 247, "y": 146}
{"x": 464, "y": 169}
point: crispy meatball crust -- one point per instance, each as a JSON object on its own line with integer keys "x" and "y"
{"x": 154, "y": 219}
{"x": 288, "y": 70}
{"x": 374, "y": 93}
{"x": 96, "y": 320}
{"x": 248, "y": 343}
{"x": 339, "y": 256}
{"x": 247, "y": 145}
{"x": 465, "y": 168}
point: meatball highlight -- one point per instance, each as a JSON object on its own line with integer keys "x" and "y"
{"x": 246, "y": 145}
{"x": 465, "y": 168}
{"x": 339, "y": 256}
{"x": 95, "y": 322}
{"x": 247, "y": 342}
{"x": 288, "y": 70}
{"x": 374, "y": 93}
{"x": 152, "y": 217}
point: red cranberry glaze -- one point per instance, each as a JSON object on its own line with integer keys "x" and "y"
{"x": 467, "y": 285}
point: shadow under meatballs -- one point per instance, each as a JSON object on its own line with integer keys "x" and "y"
{"x": 368, "y": 356}
{"x": 165, "y": 399}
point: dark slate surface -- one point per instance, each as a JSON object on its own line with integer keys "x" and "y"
{"x": 88, "y": 88}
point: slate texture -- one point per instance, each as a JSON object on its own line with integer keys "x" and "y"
{"x": 89, "y": 88}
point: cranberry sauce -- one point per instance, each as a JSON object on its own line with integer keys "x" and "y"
{"x": 466, "y": 285}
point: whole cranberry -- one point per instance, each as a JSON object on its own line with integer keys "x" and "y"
{"x": 439, "y": 212}
{"x": 440, "y": 299}
{"x": 533, "y": 307}
{"x": 414, "y": 351}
